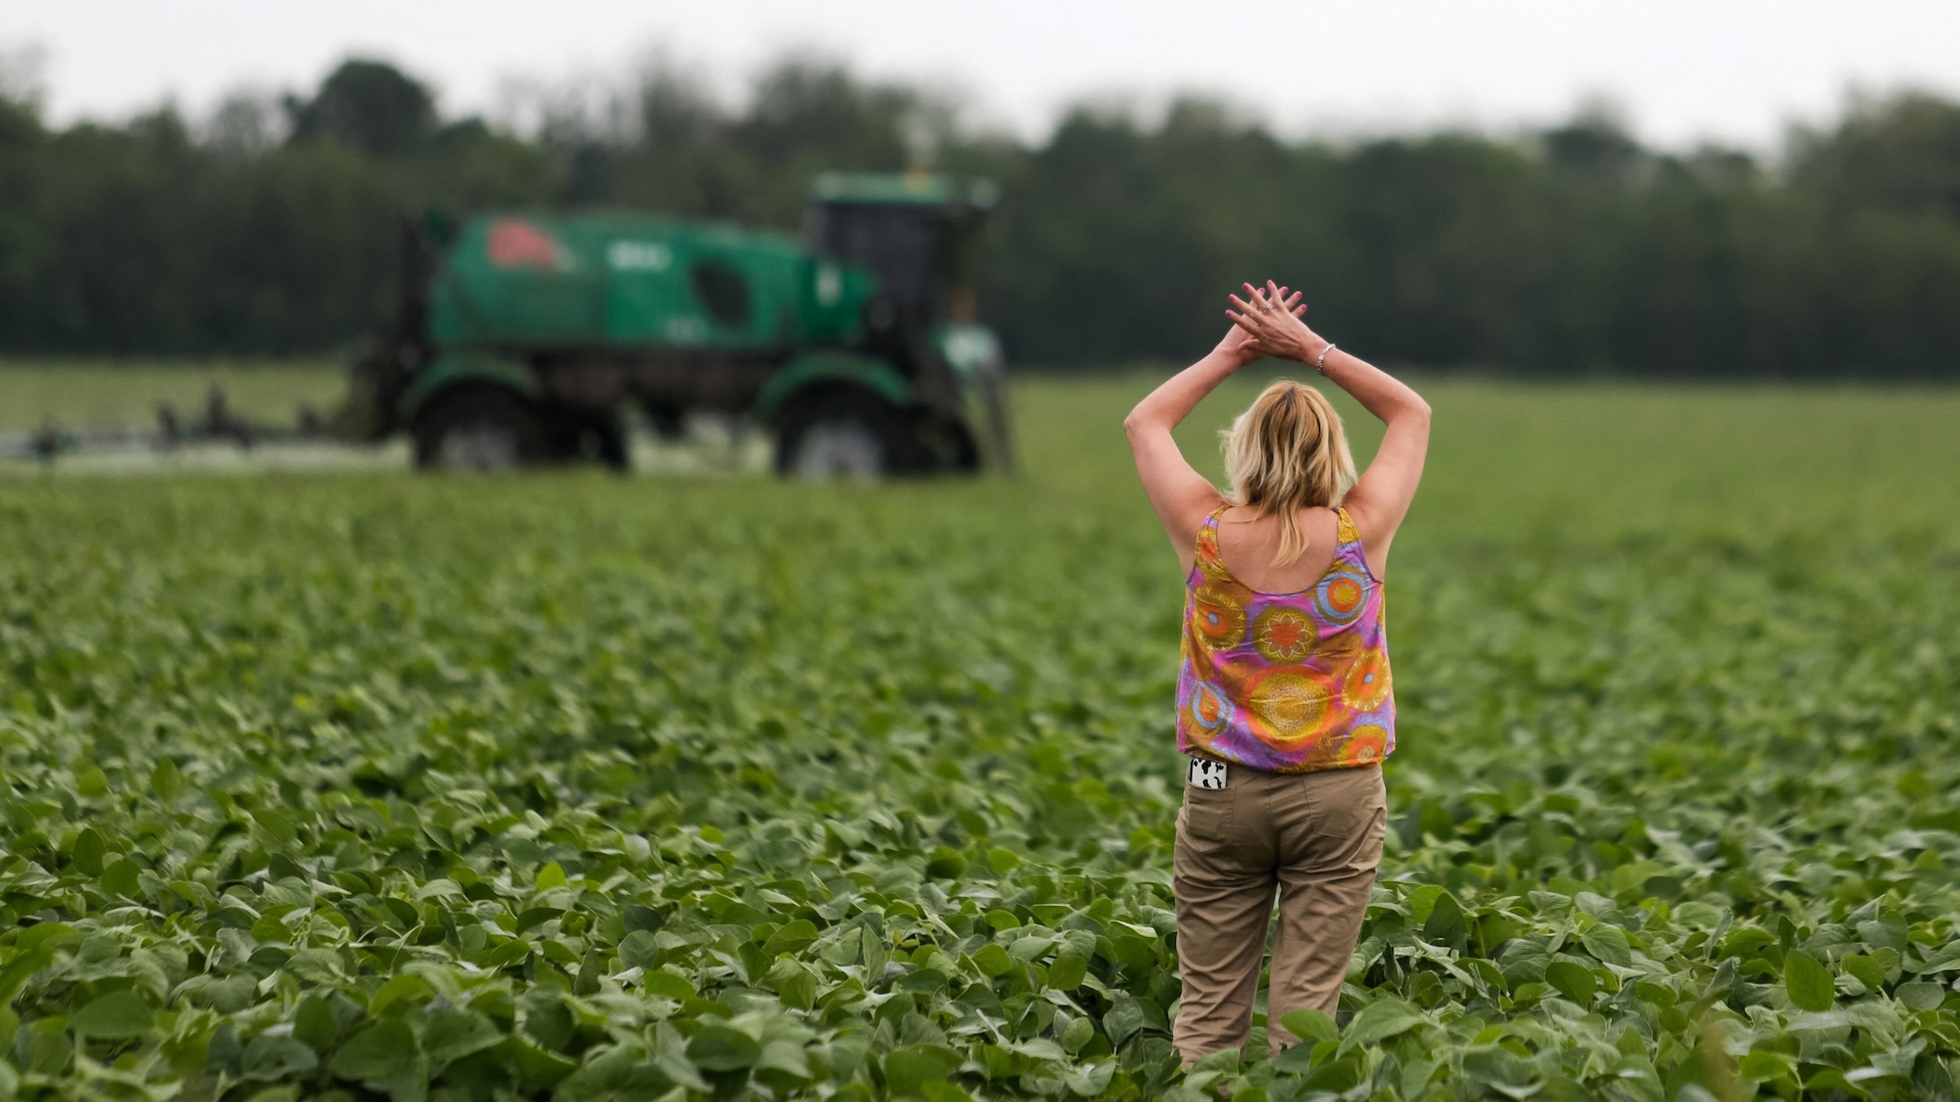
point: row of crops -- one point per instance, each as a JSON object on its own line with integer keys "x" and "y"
{"x": 376, "y": 787}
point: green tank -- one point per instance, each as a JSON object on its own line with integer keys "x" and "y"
{"x": 524, "y": 337}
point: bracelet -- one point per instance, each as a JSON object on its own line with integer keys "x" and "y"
{"x": 1320, "y": 364}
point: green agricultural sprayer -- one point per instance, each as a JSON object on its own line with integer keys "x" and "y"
{"x": 524, "y": 338}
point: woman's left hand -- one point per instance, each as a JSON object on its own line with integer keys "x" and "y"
{"x": 1272, "y": 319}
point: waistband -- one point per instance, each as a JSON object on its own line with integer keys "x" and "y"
{"x": 1213, "y": 772}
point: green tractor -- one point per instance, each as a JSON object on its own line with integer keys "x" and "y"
{"x": 523, "y": 338}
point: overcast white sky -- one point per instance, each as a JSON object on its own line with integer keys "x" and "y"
{"x": 1683, "y": 70}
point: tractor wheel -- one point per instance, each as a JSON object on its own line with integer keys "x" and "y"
{"x": 591, "y": 438}
{"x": 609, "y": 439}
{"x": 480, "y": 429}
{"x": 949, "y": 446}
{"x": 844, "y": 434}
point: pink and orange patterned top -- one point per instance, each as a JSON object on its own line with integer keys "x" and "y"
{"x": 1286, "y": 682}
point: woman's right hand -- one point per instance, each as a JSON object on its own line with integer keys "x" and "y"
{"x": 1273, "y": 321}
{"x": 1237, "y": 346}
{"x": 1241, "y": 345}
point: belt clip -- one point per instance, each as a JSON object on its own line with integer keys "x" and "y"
{"x": 1205, "y": 773}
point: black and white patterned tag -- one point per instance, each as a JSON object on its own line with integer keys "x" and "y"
{"x": 1206, "y": 773}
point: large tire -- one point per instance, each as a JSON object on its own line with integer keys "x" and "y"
{"x": 615, "y": 451}
{"x": 844, "y": 433}
{"x": 948, "y": 446}
{"x": 591, "y": 438}
{"x": 480, "y": 428}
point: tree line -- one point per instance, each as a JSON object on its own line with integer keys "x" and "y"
{"x": 268, "y": 227}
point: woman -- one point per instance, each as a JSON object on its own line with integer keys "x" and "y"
{"x": 1284, "y": 700}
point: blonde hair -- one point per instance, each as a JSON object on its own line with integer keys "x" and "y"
{"x": 1285, "y": 453}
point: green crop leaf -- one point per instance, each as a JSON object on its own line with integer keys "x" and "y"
{"x": 908, "y": 1069}
{"x": 1922, "y": 996}
{"x": 166, "y": 781}
{"x": 1378, "y": 1021}
{"x": 534, "y": 917}
{"x": 45, "y": 935}
{"x": 640, "y": 949}
{"x": 1224, "y": 1060}
{"x": 669, "y": 985}
{"x": 1041, "y": 1048}
{"x": 1068, "y": 971}
{"x": 380, "y": 1052}
{"x": 410, "y": 987}
{"x": 791, "y": 938}
{"x": 1445, "y": 925}
{"x": 1808, "y": 982}
{"x": 1303, "y": 1058}
{"x": 1078, "y": 1033}
{"x": 1123, "y": 1020}
{"x": 20, "y": 969}
{"x": 946, "y": 862}
{"x": 1310, "y": 1026}
{"x": 539, "y": 1069}
{"x": 271, "y": 1058}
{"x": 723, "y": 1048}
{"x": 1608, "y": 944}
{"x": 552, "y": 875}
{"x": 1867, "y": 970}
{"x": 785, "y": 1058}
{"x": 1499, "y": 1069}
{"x": 994, "y": 961}
{"x": 453, "y": 1034}
{"x": 799, "y": 989}
{"x": 1090, "y": 1080}
{"x": 88, "y": 852}
{"x": 42, "y": 1047}
{"x": 1758, "y": 1067}
{"x": 119, "y": 1014}
{"x": 314, "y": 1023}
{"x": 1831, "y": 1079}
{"x": 277, "y": 826}
{"x": 120, "y": 877}
{"x": 1523, "y": 963}
{"x": 1574, "y": 981}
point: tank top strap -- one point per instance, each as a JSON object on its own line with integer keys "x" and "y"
{"x": 1207, "y": 561}
{"x": 1345, "y": 533}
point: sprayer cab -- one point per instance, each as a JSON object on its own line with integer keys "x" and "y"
{"x": 917, "y": 233}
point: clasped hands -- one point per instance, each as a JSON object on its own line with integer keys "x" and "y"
{"x": 1267, "y": 323}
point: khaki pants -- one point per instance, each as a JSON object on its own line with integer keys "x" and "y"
{"x": 1316, "y": 838}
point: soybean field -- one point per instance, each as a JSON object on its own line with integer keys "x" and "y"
{"x": 573, "y": 787}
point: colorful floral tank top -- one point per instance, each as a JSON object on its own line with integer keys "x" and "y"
{"x": 1286, "y": 682}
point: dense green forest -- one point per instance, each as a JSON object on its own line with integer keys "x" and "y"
{"x": 268, "y": 227}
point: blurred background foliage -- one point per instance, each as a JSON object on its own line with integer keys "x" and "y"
{"x": 267, "y": 228}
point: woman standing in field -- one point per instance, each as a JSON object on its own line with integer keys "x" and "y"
{"x": 1284, "y": 700}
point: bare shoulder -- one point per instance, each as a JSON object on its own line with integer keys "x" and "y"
{"x": 1369, "y": 521}
{"x": 1189, "y": 517}
{"x": 1193, "y": 513}
{"x": 1376, "y": 525}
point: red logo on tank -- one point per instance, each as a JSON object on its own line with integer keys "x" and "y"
{"x": 515, "y": 243}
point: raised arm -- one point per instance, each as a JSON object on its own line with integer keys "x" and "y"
{"x": 1381, "y": 498}
{"x": 1181, "y": 496}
